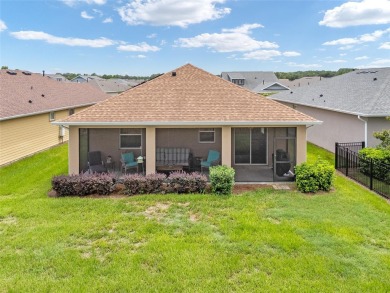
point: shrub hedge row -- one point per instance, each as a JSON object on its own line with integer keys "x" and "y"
{"x": 83, "y": 184}
{"x": 380, "y": 159}
{"x": 104, "y": 184}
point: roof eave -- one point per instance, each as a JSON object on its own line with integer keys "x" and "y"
{"x": 191, "y": 123}
{"x": 46, "y": 111}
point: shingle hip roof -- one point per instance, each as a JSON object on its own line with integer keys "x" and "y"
{"x": 192, "y": 96}
{"x": 364, "y": 92}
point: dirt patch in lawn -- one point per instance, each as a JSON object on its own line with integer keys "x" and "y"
{"x": 241, "y": 188}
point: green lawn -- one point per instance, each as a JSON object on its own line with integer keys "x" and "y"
{"x": 266, "y": 240}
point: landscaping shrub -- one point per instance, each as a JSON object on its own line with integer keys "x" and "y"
{"x": 181, "y": 182}
{"x": 314, "y": 177}
{"x": 134, "y": 184}
{"x": 83, "y": 184}
{"x": 222, "y": 179}
{"x": 380, "y": 159}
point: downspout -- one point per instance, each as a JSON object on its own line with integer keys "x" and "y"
{"x": 365, "y": 129}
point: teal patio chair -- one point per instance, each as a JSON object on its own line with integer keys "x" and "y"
{"x": 212, "y": 160}
{"x": 128, "y": 161}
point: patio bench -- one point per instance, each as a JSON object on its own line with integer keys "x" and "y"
{"x": 172, "y": 156}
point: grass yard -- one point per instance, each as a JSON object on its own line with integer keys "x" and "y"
{"x": 264, "y": 240}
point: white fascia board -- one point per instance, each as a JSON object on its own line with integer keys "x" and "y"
{"x": 190, "y": 123}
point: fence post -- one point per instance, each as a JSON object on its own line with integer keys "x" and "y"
{"x": 347, "y": 162}
{"x": 371, "y": 174}
{"x": 336, "y": 152}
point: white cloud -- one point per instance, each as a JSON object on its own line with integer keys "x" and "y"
{"x": 74, "y": 2}
{"x": 365, "y": 38}
{"x": 141, "y": 56}
{"x": 349, "y": 47}
{"x": 376, "y": 64}
{"x": 41, "y": 36}
{"x": 293, "y": 64}
{"x": 361, "y": 58}
{"x": 243, "y": 29}
{"x": 230, "y": 40}
{"x": 107, "y": 20}
{"x": 342, "y": 54}
{"x": 262, "y": 54}
{"x": 358, "y": 13}
{"x": 291, "y": 54}
{"x": 3, "y": 27}
{"x": 141, "y": 47}
{"x": 97, "y": 11}
{"x": 385, "y": 46}
{"x": 336, "y": 61}
{"x": 268, "y": 54}
{"x": 171, "y": 12}
{"x": 85, "y": 15}
{"x": 151, "y": 36}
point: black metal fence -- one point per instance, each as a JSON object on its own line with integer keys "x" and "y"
{"x": 365, "y": 171}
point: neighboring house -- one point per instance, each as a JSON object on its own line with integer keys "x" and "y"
{"x": 110, "y": 86}
{"x": 352, "y": 106}
{"x": 255, "y": 81}
{"x": 57, "y": 77}
{"x": 29, "y": 102}
{"x": 86, "y": 78}
{"x": 303, "y": 81}
{"x": 191, "y": 108}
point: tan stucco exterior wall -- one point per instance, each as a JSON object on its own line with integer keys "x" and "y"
{"x": 73, "y": 150}
{"x": 301, "y": 144}
{"x": 22, "y": 137}
{"x": 150, "y": 150}
{"x": 227, "y": 146}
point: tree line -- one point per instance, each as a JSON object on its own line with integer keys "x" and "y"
{"x": 310, "y": 73}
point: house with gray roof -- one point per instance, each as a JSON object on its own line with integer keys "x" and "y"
{"x": 352, "y": 106}
{"x": 255, "y": 81}
{"x": 57, "y": 77}
{"x": 86, "y": 78}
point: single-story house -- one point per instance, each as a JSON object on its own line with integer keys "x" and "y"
{"x": 352, "y": 106}
{"x": 192, "y": 109}
{"x": 86, "y": 78}
{"x": 110, "y": 86}
{"x": 259, "y": 82}
{"x": 29, "y": 102}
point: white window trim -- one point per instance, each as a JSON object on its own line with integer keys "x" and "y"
{"x": 200, "y": 130}
{"x": 131, "y": 134}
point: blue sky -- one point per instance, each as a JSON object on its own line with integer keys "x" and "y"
{"x": 142, "y": 37}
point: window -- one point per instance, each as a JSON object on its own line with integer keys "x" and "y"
{"x": 71, "y": 112}
{"x": 238, "y": 81}
{"x": 250, "y": 145}
{"x": 207, "y": 135}
{"x": 130, "y": 138}
{"x": 52, "y": 116}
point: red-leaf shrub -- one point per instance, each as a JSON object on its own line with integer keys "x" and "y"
{"x": 83, "y": 184}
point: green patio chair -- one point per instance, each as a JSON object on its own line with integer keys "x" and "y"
{"x": 212, "y": 160}
{"x": 128, "y": 161}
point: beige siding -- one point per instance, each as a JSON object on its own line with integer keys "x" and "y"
{"x": 25, "y": 136}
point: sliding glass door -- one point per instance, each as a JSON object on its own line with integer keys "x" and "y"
{"x": 250, "y": 146}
